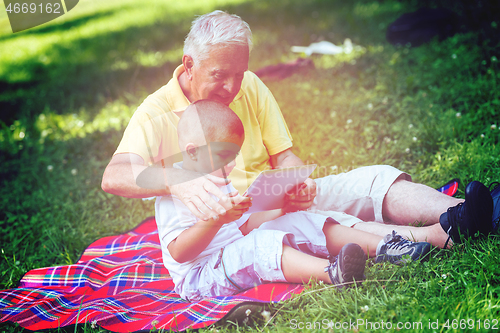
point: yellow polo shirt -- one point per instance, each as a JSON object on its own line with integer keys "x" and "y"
{"x": 152, "y": 130}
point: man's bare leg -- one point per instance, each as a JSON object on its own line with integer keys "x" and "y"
{"x": 407, "y": 202}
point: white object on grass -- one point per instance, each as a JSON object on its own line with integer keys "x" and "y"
{"x": 325, "y": 47}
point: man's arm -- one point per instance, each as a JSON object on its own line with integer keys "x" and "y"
{"x": 284, "y": 159}
{"x": 302, "y": 196}
{"x": 121, "y": 175}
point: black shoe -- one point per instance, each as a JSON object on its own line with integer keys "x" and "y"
{"x": 398, "y": 250}
{"x": 495, "y": 195}
{"x": 347, "y": 266}
{"x": 471, "y": 216}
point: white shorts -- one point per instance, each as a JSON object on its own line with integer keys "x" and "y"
{"x": 255, "y": 258}
{"x": 357, "y": 195}
{"x": 347, "y": 198}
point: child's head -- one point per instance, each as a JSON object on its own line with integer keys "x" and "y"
{"x": 210, "y": 136}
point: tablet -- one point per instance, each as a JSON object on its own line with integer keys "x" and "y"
{"x": 269, "y": 189}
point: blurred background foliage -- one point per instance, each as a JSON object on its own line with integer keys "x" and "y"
{"x": 69, "y": 87}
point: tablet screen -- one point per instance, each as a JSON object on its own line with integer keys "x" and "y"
{"x": 269, "y": 189}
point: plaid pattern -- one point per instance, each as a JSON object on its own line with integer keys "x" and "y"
{"x": 450, "y": 188}
{"x": 120, "y": 284}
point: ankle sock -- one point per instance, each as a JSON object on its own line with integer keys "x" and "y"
{"x": 379, "y": 246}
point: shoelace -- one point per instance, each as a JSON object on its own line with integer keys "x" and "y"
{"x": 330, "y": 267}
{"x": 453, "y": 217}
{"x": 331, "y": 263}
{"x": 397, "y": 241}
{"x": 493, "y": 186}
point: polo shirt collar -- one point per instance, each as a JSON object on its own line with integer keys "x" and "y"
{"x": 176, "y": 95}
{"x": 239, "y": 94}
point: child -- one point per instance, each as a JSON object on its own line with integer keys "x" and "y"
{"x": 237, "y": 251}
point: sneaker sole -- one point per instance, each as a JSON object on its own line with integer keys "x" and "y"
{"x": 352, "y": 260}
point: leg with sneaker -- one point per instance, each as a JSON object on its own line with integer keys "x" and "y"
{"x": 390, "y": 247}
{"x": 322, "y": 236}
{"x": 380, "y": 199}
{"x": 269, "y": 256}
{"x": 342, "y": 269}
{"x": 407, "y": 202}
{"x": 397, "y": 250}
{"x": 433, "y": 234}
{"x": 447, "y": 218}
{"x": 471, "y": 217}
{"x": 346, "y": 262}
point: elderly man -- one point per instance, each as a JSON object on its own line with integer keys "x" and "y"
{"x": 215, "y": 66}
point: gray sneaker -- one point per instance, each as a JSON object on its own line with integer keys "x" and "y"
{"x": 347, "y": 266}
{"x": 396, "y": 249}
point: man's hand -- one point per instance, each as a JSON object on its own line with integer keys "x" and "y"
{"x": 300, "y": 197}
{"x": 195, "y": 195}
{"x": 241, "y": 206}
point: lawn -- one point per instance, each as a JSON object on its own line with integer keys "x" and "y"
{"x": 69, "y": 87}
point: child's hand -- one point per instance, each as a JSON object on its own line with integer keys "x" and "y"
{"x": 241, "y": 206}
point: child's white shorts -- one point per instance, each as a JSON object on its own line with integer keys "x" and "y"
{"x": 255, "y": 258}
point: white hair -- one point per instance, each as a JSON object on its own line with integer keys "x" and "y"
{"x": 214, "y": 28}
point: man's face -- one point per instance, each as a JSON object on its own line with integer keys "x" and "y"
{"x": 219, "y": 76}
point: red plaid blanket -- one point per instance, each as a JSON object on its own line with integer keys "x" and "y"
{"x": 120, "y": 284}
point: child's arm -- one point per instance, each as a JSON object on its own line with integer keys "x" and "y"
{"x": 257, "y": 219}
{"x": 192, "y": 241}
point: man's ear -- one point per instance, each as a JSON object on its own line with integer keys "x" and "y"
{"x": 192, "y": 151}
{"x": 188, "y": 63}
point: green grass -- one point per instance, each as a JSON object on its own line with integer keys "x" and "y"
{"x": 68, "y": 88}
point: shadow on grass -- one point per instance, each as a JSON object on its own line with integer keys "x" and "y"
{"x": 62, "y": 27}
{"x": 83, "y": 73}
{"x": 87, "y": 71}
